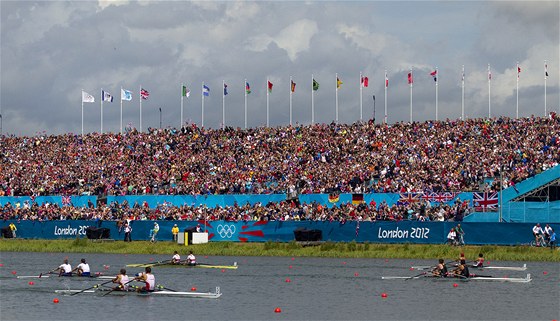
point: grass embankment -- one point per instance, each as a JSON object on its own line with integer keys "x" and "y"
{"x": 326, "y": 249}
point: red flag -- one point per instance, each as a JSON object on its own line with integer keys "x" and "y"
{"x": 518, "y": 71}
{"x": 365, "y": 81}
{"x": 144, "y": 93}
{"x": 410, "y": 80}
{"x": 386, "y": 81}
{"x": 269, "y": 86}
{"x": 434, "y": 74}
{"x": 293, "y": 86}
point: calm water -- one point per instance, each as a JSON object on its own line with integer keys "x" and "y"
{"x": 320, "y": 289}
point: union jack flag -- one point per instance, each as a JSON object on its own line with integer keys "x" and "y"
{"x": 66, "y": 200}
{"x": 440, "y": 197}
{"x": 144, "y": 93}
{"x": 484, "y": 202}
{"x": 409, "y": 198}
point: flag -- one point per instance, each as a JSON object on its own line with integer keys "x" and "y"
{"x": 87, "y": 98}
{"x": 144, "y": 93}
{"x": 518, "y": 71}
{"x": 463, "y": 75}
{"x": 66, "y": 200}
{"x": 225, "y": 89}
{"x": 357, "y": 198}
{"x": 315, "y": 85}
{"x": 126, "y": 94}
{"x": 205, "y": 90}
{"x": 293, "y": 87}
{"x": 434, "y": 74}
{"x": 269, "y": 87}
{"x": 247, "y": 88}
{"x": 489, "y": 73}
{"x": 386, "y": 81}
{"x": 545, "y": 70}
{"x": 409, "y": 198}
{"x": 334, "y": 197}
{"x": 410, "y": 80}
{"x": 185, "y": 92}
{"x": 338, "y": 82}
{"x": 485, "y": 201}
{"x": 365, "y": 81}
{"x": 106, "y": 96}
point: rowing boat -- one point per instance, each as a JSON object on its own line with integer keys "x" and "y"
{"x": 526, "y": 279}
{"x": 198, "y": 265}
{"x": 167, "y": 293}
{"x": 506, "y": 268}
{"x": 74, "y": 277}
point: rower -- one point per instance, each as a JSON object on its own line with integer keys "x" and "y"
{"x": 479, "y": 263}
{"x": 191, "y": 259}
{"x": 440, "y": 269}
{"x": 462, "y": 270}
{"x": 122, "y": 280}
{"x": 82, "y": 269}
{"x": 149, "y": 280}
{"x": 176, "y": 259}
{"x": 64, "y": 269}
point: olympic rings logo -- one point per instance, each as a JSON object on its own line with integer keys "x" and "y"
{"x": 226, "y": 231}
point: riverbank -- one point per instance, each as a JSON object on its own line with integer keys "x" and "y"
{"x": 324, "y": 249}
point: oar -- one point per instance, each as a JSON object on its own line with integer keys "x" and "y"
{"x": 159, "y": 286}
{"x": 412, "y": 277}
{"x": 50, "y": 272}
{"x": 95, "y": 286}
{"x": 117, "y": 287}
{"x": 148, "y": 264}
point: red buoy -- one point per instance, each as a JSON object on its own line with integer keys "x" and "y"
{"x": 289, "y": 267}
{"x": 356, "y": 274}
{"x": 55, "y": 300}
{"x": 193, "y": 288}
{"x": 384, "y": 295}
{"x": 288, "y": 280}
{"x": 455, "y": 285}
{"x": 31, "y": 283}
{"x": 293, "y": 258}
{"x": 344, "y": 263}
{"x": 1, "y": 265}
{"x": 277, "y": 310}
{"x": 223, "y": 270}
{"x": 545, "y": 273}
{"x": 386, "y": 260}
{"x": 411, "y": 268}
{"x": 14, "y": 272}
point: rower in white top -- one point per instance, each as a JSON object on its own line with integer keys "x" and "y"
{"x": 176, "y": 259}
{"x": 82, "y": 269}
{"x": 64, "y": 269}
{"x": 191, "y": 259}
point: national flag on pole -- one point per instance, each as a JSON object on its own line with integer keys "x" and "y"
{"x": 338, "y": 82}
{"x": 489, "y": 73}
{"x": 144, "y": 93}
{"x": 293, "y": 86}
{"x": 106, "y": 96}
{"x": 463, "y": 75}
{"x": 205, "y": 90}
{"x": 518, "y": 71}
{"x": 225, "y": 89}
{"x": 315, "y": 85}
{"x": 87, "y": 98}
{"x": 185, "y": 92}
{"x": 269, "y": 87}
{"x": 126, "y": 94}
{"x": 434, "y": 74}
{"x": 545, "y": 70}
{"x": 365, "y": 81}
{"x": 410, "y": 80}
{"x": 486, "y": 201}
{"x": 386, "y": 81}
{"x": 247, "y": 88}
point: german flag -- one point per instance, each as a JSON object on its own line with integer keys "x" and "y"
{"x": 357, "y": 198}
{"x": 334, "y": 198}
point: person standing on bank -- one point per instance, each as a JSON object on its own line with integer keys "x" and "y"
{"x": 175, "y": 232}
{"x": 127, "y": 232}
{"x": 13, "y": 228}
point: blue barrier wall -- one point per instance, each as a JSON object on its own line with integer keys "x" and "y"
{"x": 373, "y": 232}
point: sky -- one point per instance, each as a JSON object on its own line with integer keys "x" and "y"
{"x": 52, "y": 50}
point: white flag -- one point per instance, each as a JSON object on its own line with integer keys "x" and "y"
{"x": 126, "y": 94}
{"x": 87, "y": 98}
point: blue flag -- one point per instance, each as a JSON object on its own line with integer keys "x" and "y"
{"x": 205, "y": 90}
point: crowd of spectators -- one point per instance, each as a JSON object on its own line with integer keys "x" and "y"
{"x": 431, "y": 156}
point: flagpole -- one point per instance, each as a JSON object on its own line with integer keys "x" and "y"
{"x": 82, "y": 113}
{"x": 291, "y": 100}
{"x": 386, "y": 85}
{"x": 463, "y": 94}
{"x": 121, "y": 107}
{"x": 202, "y": 114}
{"x": 223, "y": 104}
{"x": 437, "y": 76}
{"x": 267, "y": 102}
{"x": 102, "y": 98}
{"x": 545, "y": 76}
{"x": 489, "y": 95}
{"x": 336, "y": 97}
{"x": 182, "y": 95}
{"x": 140, "y": 91}
{"x": 517, "y": 94}
{"x": 312, "y": 102}
{"x": 361, "y": 99}
{"x": 411, "y": 82}
{"x": 245, "y": 86}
